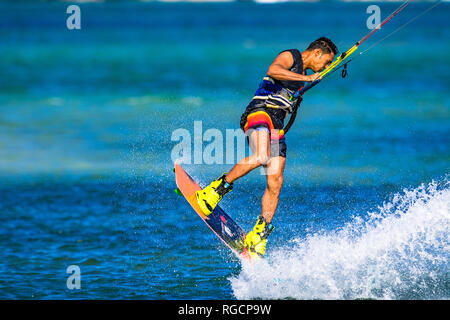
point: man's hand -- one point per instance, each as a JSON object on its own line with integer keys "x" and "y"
{"x": 312, "y": 77}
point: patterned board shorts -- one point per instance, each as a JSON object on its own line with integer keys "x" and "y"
{"x": 265, "y": 119}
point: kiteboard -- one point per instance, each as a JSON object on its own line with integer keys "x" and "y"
{"x": 218, "y": 221}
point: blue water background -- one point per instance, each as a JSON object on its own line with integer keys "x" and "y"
{"x": 86, "y": 119}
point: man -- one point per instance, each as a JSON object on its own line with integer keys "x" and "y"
{"x": 263, "y": 122}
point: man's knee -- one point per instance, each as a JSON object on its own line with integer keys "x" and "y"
{"x": 260, "y": 143}
{"x": 262, "y": 158}
{"x": 275, "y": 183}
{"x": 275, "y": 168}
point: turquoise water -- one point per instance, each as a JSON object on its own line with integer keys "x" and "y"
{"x": 86, "y": 119}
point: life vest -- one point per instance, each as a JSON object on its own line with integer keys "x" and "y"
{"x": 273, "y": 93}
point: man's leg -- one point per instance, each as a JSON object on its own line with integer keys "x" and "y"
{"x": 256, "y": 239}
{"x": 209, "y": 197}
{"x": 274, "y": 170}
{"x": 260, "y": 145}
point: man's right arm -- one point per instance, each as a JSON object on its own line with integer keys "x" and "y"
{"x": 279, "y": 69}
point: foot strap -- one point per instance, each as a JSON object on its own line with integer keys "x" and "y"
{"x": 267, "y": 229}
{"x": 224, "y": 187}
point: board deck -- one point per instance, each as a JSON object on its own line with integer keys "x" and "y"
{"x": 218, "y": 221}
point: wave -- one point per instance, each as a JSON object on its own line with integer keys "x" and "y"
{"x": 400, "y": 251}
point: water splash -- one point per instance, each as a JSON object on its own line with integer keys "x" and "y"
{"x": 400, "y": 251}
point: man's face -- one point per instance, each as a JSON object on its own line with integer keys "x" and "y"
{"x": 321, "y": 60}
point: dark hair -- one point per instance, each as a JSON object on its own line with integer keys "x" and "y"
{"x": 325, "y": 44}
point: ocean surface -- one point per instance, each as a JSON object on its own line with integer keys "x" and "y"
{"x": 86, "y": 135}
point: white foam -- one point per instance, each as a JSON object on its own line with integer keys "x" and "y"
{"x": 401, "y": 251}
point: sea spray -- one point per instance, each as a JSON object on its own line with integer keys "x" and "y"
{"x": 399, "y": 251}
